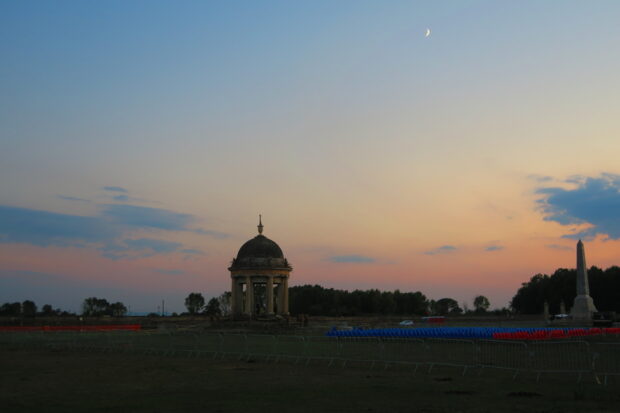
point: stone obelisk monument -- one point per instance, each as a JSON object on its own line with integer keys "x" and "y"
{"x": 583, "y": 306}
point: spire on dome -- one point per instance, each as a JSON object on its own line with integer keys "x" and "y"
{"x": 260, "y": 224}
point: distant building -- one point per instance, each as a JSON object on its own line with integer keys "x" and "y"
{"x": 259, "y": 276}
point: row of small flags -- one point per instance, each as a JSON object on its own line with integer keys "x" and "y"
{"x": 498, "y": 333}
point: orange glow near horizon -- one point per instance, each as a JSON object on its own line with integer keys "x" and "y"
{"x": 135, "y": 163}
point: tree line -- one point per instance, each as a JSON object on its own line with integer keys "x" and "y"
{"x": 217, "y": 306}
{"x": 28, "y": 308}
{"x": 320, "y": 301}
{"x": 305, "y": 299}
{"x": 317, "y": 300}
{"x": 91, "y": 307}
{"x": 559, "y": 291}
{"x": 95, "y": 307}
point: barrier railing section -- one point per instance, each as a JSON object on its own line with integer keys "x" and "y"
{"x": 602, "y": 358}
{"x": 505, "y": 355}
{"x": 561, "y": 357}
{"x": 606, "y": 359}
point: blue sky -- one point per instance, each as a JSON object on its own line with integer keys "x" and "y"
{"x": 140, "y": 140}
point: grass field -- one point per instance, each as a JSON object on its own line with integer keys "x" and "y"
{"x": 61, "y": 380}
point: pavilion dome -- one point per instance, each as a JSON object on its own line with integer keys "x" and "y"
{"x": 260, "y": 251}
{"x": 260, "y": 247}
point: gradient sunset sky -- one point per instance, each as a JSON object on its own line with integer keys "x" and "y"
{"x": 139, "y": 141}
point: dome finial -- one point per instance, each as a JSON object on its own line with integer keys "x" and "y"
{"x": 260, "y": 224}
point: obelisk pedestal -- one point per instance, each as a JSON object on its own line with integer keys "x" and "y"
{"x": 583, "y": 306}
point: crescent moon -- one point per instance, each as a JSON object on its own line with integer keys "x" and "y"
{"x": 428, "y": 33}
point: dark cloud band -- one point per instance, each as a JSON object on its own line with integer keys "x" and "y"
{"x": 441, "y": 250}
{"x": 356, "y": 259}
{"x": 109, "y": 231}
{"x": 594, "y": 201}
{"x": 115, "y": 189}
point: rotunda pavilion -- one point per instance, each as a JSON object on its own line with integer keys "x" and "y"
{"x": 259, "y": 276}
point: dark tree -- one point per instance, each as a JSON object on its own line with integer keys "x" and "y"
{"x": 560, "y": 288}
{"x": 387, "y": 303}
{"x": 11, "y": 309}
{"x": 29, "y": 308}
{"x": 47, "y": 310}
{"x": 481, "y": 304}
{"x": 446, "y": 306}
{"x": 530, "y": 297}
{"x": 194, "y": 302}
{"x": 95, "y": 307}
{"x": 118, "y": 309}
{"x": 317, "y": 300}
{"x": 213, "y": 307}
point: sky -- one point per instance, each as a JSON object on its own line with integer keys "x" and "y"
{"x": 140, "y": 140}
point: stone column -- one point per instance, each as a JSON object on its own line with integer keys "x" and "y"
{"x": 285, "y": 296}
{"x": 249, "y": 296}
{"x": 233, "y": 295}
{"x": 269, "y": 294}
{"x": 238, "y": 305}
{"x": 280, "y": 296}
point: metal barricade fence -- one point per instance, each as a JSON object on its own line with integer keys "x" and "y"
{"x": 567, "y": 356}
{"x": 452, "y": 352}
{"x": 208, "y": 344}
{"x": 561, "y": 357}
{"x": 410, "y": 351}
{"x": 606, "y": 359}
{"x": 183, "y": 344}
{"x": 322, "y": 348}
{"x": 154, "y": 343}
{"x": 290, "y": 348}
{"x": 263, "y": 346}
{"x": 503, "y": 354}
{"x": 359, "y": 349}
{"x": 233, "y": 345}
